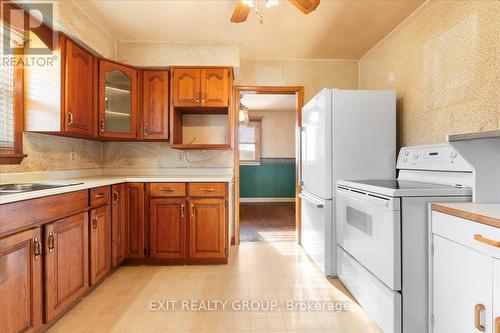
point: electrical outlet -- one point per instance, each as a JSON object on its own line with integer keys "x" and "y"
{"x": 180, "y": 156}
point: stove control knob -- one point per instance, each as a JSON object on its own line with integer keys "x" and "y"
{"x": 405, "y": 160}
{"x": 415, "y": 156}
{"x": 406, "y": 152}
{"x": 453, "y": 154}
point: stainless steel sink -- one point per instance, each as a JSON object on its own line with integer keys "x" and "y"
{"x": 27, "y": 187}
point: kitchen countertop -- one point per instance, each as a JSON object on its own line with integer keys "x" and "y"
{"x": 485, "y": 213}
{"x": 91, "y": 182}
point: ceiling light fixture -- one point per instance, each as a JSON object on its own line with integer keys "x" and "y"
{"x": 258, "y": 5}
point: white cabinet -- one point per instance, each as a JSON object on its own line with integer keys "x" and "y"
{"x": 465, "y": 275}
{"x": 462, "y": 282}
{"x": 496, "y": 297}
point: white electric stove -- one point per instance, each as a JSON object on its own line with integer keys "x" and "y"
{"x": 382, "y": 238}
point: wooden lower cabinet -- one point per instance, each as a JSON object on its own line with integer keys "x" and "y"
{"x": 100, "y": 244}
{"x": 119, "y": 218}
{"x": 135, "y": 236}
{"x": 207, "y": 233}
{"x": 21, "y": 282}
{"x": 66, "y": 263}
{"x": 167, "y": 228}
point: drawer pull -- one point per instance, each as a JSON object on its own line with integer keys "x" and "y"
{"x": 497, "y": 325}
{"x": 207, "y": 189}
{"x": 487, "y": 241}
{"x": 99, "y": 195}
{"x": 37, "y": 248}
{"x": 166, "y": 189}
{"x": 51, "y": 241}
{"x": 477, "y": 317}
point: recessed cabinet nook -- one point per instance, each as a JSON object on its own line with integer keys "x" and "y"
{"x": 100, "y": 99}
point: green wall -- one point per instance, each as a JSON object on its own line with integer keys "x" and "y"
{"x": 268, "y": 180}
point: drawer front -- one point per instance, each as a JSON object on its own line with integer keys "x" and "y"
{"x": 207, "y": 189}
{"x": 474, "y": 235}
{"x": 99, "y": 196}
{"x": 381, "y": 303}
{"x": 167, "y": 189}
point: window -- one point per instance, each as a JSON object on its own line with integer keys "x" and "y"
{"x": 249, "y": 138}
{"x": 11, "y": 108}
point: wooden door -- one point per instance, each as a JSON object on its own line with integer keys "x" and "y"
{"x": 155, "y": 105}
{"x": 168, "y": 228}
{"x": 496, "y": 295}
{"x": 118, "y": 224}
{"x": 100, "y": 244}
{"x": 207, "y": 228}
{"x": 66, "y": 263}
{"x": 79, "y": 91}
{"x": 135, "y": 225}
{"x": 214, "y": 87}
{"x": 186, "y": 87}
{"x": 21, "y": 282}
{"x": 462, "y": 288}
{"x": 117, "y": 101}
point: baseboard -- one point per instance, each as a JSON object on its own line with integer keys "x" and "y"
{"x": 267, "y": 199}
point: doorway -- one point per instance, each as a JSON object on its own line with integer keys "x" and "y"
{"x": 266, "y": 162}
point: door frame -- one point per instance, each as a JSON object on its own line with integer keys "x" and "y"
{"x": 282, "y": 90}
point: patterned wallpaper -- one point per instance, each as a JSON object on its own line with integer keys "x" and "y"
{"x": 444, "y": 64}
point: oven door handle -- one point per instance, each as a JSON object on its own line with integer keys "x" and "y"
{"x": 317, "y": 203}
{"x": 366, "y": 199}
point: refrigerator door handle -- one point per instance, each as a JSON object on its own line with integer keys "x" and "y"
{"x": 313, "y": 201}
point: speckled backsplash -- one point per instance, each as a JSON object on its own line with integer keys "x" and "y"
{"x": 444, "y": 64}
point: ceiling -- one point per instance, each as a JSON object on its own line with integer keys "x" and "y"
{"x": 338, "y": 29}
{"x": 269, "y": 102}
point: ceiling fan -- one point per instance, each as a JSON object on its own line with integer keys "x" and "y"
{"x": 243, "y": 8}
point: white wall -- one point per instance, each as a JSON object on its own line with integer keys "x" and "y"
{"x": 278, "y": 133}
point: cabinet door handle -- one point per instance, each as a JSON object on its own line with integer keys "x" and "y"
{"x": 51, "y": 242}
{"x": 477, "y": 317}
{"x": 37, "y": 248}
{"x": 94, "y": 222}
{"x": 192, "y": 210}
{"x": 203, "y": 97}
{"x": 70, "y": 118}
{"x": 207, "y": 189}
{"x": 146, "y": 129}
{"x": 487, "y": 241}
{"x": 102, "y": 124}
{"x": 198, "y": 94}
{"x": 182, "y": 210}
{"x": 497, "y": 325}
{"x": 115, "y": 196}
{"x": 166, "y": 189}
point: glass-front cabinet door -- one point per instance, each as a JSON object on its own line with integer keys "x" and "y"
{"x": 117, "y": 100}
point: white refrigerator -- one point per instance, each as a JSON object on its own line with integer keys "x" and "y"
{"x": 345, "y": 134}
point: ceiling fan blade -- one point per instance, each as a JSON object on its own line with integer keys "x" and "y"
{"x": 240, "y": 12}
{"x": 305, "y": 6}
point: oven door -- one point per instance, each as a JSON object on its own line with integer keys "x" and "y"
{"x": 369, "y": 229}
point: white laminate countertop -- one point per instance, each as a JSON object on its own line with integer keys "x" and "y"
{"x": 91, "y": 182}
{"x": 486, "y": 213}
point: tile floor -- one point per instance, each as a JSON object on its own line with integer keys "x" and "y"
{"x": 263, "y": 272}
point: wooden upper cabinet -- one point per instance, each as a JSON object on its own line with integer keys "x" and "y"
{"x": 79, "y": 90}
{"x": 118, "y": 224}
{"x": 168, "y": 228}
{"x": 207, "y": 233}
{"x": 66, "y": 263}
{"x": 186, "y": 87}
{"x": 214, "y": 87}
{"x": 155, "y": 105}
{"x": 21, "y": 282}
{"x": 100, "y": 244}
{"x": 68, "y": 103}
{"x": 117, "y": 100}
